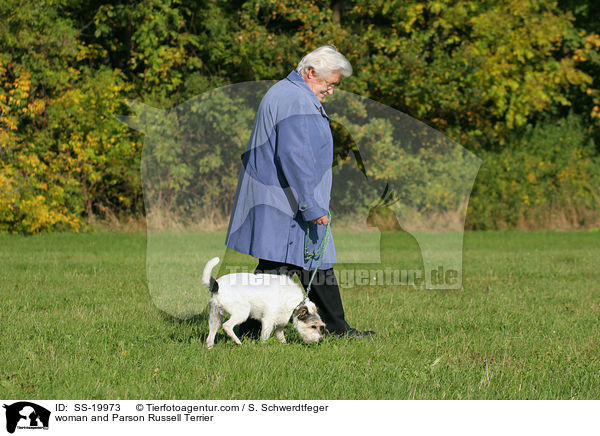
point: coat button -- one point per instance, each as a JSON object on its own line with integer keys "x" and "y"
{"x": 293, "y": 225}
{"x": 291, "y": 242}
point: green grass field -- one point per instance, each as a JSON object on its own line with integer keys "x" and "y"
{"x": 78, "y": 322}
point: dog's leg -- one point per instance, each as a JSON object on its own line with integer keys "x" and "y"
{"x": 214, "y": 323}
{"x": 279, "y": 334}
{"x": 267, "y": 329}
{"x": 232, "y": 322}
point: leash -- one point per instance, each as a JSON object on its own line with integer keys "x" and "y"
{"x": 318, "y": 253}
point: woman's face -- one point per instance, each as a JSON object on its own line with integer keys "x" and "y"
{"x": 322, "y": 86}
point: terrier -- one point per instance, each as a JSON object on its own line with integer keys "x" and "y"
{"x": 269, "y": 298}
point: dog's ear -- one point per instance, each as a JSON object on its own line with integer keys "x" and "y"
{"x": 301, "y": 313}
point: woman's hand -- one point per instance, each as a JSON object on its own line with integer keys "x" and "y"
{"x": 323, "y": 220}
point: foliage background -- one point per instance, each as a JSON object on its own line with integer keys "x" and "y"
{"x": 516, "y": 82}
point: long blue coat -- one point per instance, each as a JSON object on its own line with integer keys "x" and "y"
{"x": 285, "y": 180}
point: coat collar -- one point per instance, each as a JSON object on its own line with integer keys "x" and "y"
{"x": 299, "y": 81}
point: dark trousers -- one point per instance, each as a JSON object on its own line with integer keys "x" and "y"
{"x": 324, "y": 292}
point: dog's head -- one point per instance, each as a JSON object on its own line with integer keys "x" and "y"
{"x": 308, "y": 323}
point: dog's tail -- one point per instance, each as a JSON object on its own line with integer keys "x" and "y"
{"x": 207, "y": 280}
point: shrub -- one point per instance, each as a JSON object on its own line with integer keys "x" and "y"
{"x": 547, "y": 177}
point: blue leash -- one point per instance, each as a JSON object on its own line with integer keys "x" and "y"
{"x": 318, "y": 253}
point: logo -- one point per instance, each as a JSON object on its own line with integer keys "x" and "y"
{"x": 26, "y": 415}
{"x": 398, "y": 181}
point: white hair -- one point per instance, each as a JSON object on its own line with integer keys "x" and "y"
{"x": 325, "y": 60}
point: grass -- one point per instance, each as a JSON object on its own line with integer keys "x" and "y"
{"x": 78, "y": 322}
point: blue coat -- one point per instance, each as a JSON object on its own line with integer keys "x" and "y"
{"x": 285, "y": 180}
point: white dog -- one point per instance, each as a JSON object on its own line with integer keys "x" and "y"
{"x": 269, "y": 298}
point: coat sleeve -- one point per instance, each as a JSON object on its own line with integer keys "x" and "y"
{"x": 297, "y": 162}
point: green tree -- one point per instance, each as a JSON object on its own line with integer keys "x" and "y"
{"x": 62, "y": 154}
{"x": 484, "y": 73}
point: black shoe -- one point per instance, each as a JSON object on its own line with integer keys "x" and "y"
{"x": 353, "y": 333}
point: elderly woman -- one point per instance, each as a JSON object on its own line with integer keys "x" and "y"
{"x": 284, "y": 185}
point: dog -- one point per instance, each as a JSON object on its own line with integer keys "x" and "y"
{"x": 269, "y": 298}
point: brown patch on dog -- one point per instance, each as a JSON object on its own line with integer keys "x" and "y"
{"x": 301, "y": 313}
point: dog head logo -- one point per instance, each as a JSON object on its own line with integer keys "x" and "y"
{"x": 392, "y": 173}
{"x": 26, "y": 415}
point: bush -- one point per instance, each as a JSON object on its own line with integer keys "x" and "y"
{"x": 547, "y": 177}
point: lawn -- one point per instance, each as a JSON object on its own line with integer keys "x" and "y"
{"x": 78, "y": 321}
